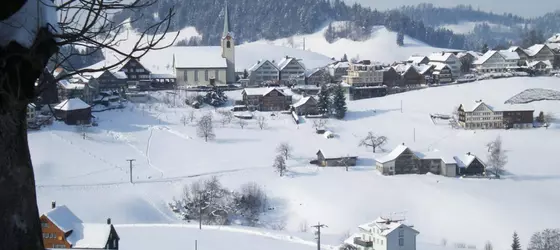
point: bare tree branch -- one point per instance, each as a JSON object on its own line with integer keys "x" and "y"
{"x": 373, "y": 141}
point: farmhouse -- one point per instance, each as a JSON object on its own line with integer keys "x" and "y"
{"x": 292, "y": 71}
{"x": 449, "y": 59}
{"x": 338, "y": 70}
{"x": 63, "y": 229}
{"x": 497, "y": 61}
{"x": 73, "y": 111}
{"x": 325, "y": 160}
{"x": 483, "y": 116}
{"x": 384, "y": 234}
{"x": 263, "y": 71}
{"x": 408, "y": 76}
{"x": 317, "y": 77}
{"x": 540, "y": 52}
{"x": 442, "y": 73}
{"x": 78, "y": 87}
{"x": 306, "y": 106}
{"x": 540, "y": 67}
{"x": 266, "y": 99}
{"x": 401, "y": 160}
{"x": 417, "y": 59}
{"x": 469, "y": 164}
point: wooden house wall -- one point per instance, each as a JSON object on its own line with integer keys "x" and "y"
{"x": 406, "y": 163}
{"x": 47, "y": 227}
{"x": 475, "y": 168}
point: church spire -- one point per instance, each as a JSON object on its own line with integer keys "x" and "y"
{"x": 227, "y": 27}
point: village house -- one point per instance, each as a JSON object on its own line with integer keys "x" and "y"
{"x": 402, "y": 160}
{"x": 110, "y": 80}
{"x": 263, "y": 71}
{"x": 63, "y": 229}
{"x": 540, "y": 52}
{"x": 266, "y": 99}
{"x": 325, "y": 160}
{"x": 384, "y": 234}
{"x": 306, "y": 106}
{"x": 317, "y": 77}
{"x": 338, "y": 70}
{"x": 540, "y": 67}
{"x": 497, "y": 61}
{"x": 442, "y": 73}
{"x": 467, "y": 59}
{"x": 470, "y": 165}
{"x": 449, "y": 59}
{"x": 408, "y": 76}
{"x": 361, "y": 75}
{"x": 417, "y": 60}
{"x": 141, "y": 77}
{"x": 523, "y": 56}
{"x": 483, "y": 116}
{"x": 81, "y": 87}
{"x": 292, "y": 71}
{"x": 73, "y": 111}
{"x": 390, "y": 77}
{"x": 427, "y": 71}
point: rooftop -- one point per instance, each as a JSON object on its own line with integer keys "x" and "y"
{"x": 440, "y": 57}
{"x": 393, "y": 155}
{"x": 261, "y": 91}
{"x": 200, "y": 57}
{"x": 72, "y": 104}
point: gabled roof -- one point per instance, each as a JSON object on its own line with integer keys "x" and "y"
{"x": 66, "y": 84}
{"x": 90, "y": 235}
{"x": 303, "y": 101}
{"x": 486, "y": 56}
{"x": 509, "y": 55}
{"x": 257, "y": 65}
{"x": 63, "y": 218}
{"x": 200, "y": 57}
{"x": 416, "y": 59}
{"x": 465, "y": 160}
{"x": 535, "y": 49}
{"x": 535, "y": 63}
{"x": 340, "y": 65}
{"x": 440, "y": 57}
{"x": 261, "y": 91}
{"x": 393, "y": 155}
{"x": 311, "y": 72}
{"x": 475, "y": 105}
{"x": 386, "y": 226}
{"x": 423, "y": 68}
{"x": 287, "y": 60}
{"x": 554, "y": 39}
{"x": 439, "y": 66}
{"x": 72, "y": 104}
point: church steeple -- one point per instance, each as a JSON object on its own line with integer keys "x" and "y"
{"x": 227, "y": 27}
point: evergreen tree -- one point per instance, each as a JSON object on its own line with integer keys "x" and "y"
{"x": 323, "y": 100}
{"x": 339, "y": 102}
{"x": 400, "y": 38}
{"x": 245, "y": 74}
{"x": 515, "y": 245}
{"x": 484, "y": 48}
{"x": 344, "y": 58}
{"x": 540, "y": 118}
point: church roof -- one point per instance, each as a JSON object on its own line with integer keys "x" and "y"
{"x": 200, "y": 57}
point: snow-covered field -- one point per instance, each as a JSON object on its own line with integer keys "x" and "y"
{"x": 380, "y": 46}
{"x": 91, "y": 176}
{"x": 533, "y": 95}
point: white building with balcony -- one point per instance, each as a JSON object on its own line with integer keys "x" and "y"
{"x": 360, "y": 75}
{"x": 384, "y": 234}
{"x": 480, "y": 115}
{"x": 450, "y": 59}
{"x": 263, "y": 71}
{"x": 497, "y": 61}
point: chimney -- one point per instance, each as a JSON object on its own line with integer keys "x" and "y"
{"x": 286, "y": 57}
{"x": 108, "y": 221}
{"x": 468, "y": 153}
{"x": 53, "y": 204}
{"x": 442, "y": 53}
{"x": 403, "y": 143}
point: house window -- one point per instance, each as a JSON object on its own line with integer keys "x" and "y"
{"x": 44, "y": 225}
{"x": 196, "y": 75}
{"x": 133, "y": 76}
{"x": 217, "y": 75}
{"x": 186, "y": 75}
{"x": 228, "y": 44}
{"x": 381, "y": 242}
{"x": 139, "y": 70}
{"x": 206, "y": 75}
{"x": 401, "y": 242}
{"x": 401, "y": 233}
{"x": 58, "y": 246}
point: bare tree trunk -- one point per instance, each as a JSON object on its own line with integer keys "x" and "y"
{"x": 19, "y": 216}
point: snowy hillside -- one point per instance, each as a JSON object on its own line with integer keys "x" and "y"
{"x": 246, "y": 55}
{"x": 91, "y": 175}
{"x": 381, "y": 46}
{"x": 468, "y": 27}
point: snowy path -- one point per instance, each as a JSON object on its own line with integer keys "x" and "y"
{"x": 276, "y": 236}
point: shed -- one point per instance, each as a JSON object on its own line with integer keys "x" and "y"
{"x": 469, "y": 165}
{"x": 306, "y": 106}
{"x": 73, "y": 111}
{"x": 325, "y": 160}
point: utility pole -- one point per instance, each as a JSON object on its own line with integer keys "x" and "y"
{"x": 130, "y": 161}
{"x": 195, "y": 245}
{"x": 414, "y": 134}
{"x": 318, "y": 227}
{"x": 401, "y": 106}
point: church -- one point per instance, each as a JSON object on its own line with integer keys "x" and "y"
{"x": 208, "y": 65}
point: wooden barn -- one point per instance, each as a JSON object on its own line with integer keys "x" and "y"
{"x": 338, "y": 161}
{"x": 306, "y": 106}
{"x": 73, "y": 111}
{"x": 470, "y": 165}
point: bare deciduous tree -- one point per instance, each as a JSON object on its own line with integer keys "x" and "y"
{"x": 497, "y": 158}
{"x": 279, "y": 164}
{"x": 373, "y": 141}
{"x": 303, "y": 226}
{"x": 345, "y": 162}
{"x": 86, "y": 23}
{"x": 444, "y": 242}
{"x": 261, "y": 121}
{"x": 205, "y": 128}
{"x": 191, "y": 116}
{"x": 548, "y": 118}
{"x": 242, "y": 123}
{"x": 548, "y": 239}
{"x": 227, "y": 116}
{"x": 320, "y": 123}
{"x": 488, "y": 246}
{"x": 285, "y": 150}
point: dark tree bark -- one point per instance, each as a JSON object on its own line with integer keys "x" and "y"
{"x": 19, "y": 68}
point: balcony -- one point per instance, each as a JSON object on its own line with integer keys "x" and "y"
{"x": 358, "y": 241}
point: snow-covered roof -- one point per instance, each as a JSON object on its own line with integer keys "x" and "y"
{"x": 72, "y": 104}
{"x": 416, "y": 59}
{"x": 119, "y": 74}
{"x": 287, "y": 60}
{"x": 535, "y": 63}
{"x": 554, "y": 39}
{"x": 90, "y": 235}
{"x": 302, "y": 101}
{"x": 402, "y": 68}
{"x": 63, "y": 218}
{"x": 261, "y": 91}
{"x": 261, "y": 63}
{"x": 310, "y": 72}
{"x": 446, "y": 158}
{"x": 554, "y": 46}
{"x": 485, "y": 57}
{"x": 440, "y": 57}
{"x": 472, "y": 53}
{"x": 509, "y": 55}
{"x": 422, "y": 68}
{"x": 341, "y": 65}
{"x": 200, "y": 57}
{"x": 385, "y": 225}
{"x": 160, "y": 76}
{"x": 22, "y": 26}
{"x": 393, "y": 155}
{"x": 465, "y": 160}
{"x": 439, "y": 66}
{"x": 67, "y": 85}
{"x": 535, "y": 49}
{"x": 499, "y": 107}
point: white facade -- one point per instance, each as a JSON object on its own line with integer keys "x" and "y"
{"x": 364, "y": 75}
{"x": 451, "y": 60}
{"x": 263, "y": 71}
{"x": 540, "y": 52}
{"x": 497, "y": 61}
{"x": 480, "y": 116}
{"x": 384, "y": 234}
{"x": 201, "y": 77}
{"x": 228, "y": 52}
{"x": 291, "y": 70}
